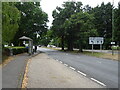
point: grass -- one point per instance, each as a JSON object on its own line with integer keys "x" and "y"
{"x": 102, "y": 55}
{"x": 97, "y": 54}
{"x": 115, "y": 48}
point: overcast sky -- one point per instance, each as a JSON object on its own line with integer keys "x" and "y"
{"x": 49, "y": 5}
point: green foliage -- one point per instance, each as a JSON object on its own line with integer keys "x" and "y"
{"x": 10, "y": 19}
{"x": 73, "y": 24}
{"x": 79, "y": 27}
{"x": 117, "y": 25}
{"x": 45, "y": 38}
{"x": 103, "y": 22}
{"x": 16, "y": 50}
{"x": 33, "y": 21}
{"x": 60, "y": 15}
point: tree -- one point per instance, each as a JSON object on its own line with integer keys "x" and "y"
{"x": 33, "y": 21}
{"x": 78, "y": 28}
{"x": 60, "y": 15}
{"x": 103, "y": 22}
{"x": 87, "y": 9}
{"x": 117, "y": 25}
{"x": 45, "y": 38}
{"x": 10, "y": 20}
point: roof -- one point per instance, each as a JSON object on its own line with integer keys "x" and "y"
{"x": 24, "y": 37}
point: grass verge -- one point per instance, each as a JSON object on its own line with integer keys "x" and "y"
{"x": 102, "y": 55}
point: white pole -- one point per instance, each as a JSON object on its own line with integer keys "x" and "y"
{"x": 92, "y": 48}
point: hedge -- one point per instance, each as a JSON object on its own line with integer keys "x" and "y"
{"x": 16, "y": 50}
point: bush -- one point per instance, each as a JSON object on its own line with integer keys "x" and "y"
{"x": 5, "y": 54}
{"x": 17, "y": 50}
{"x": 115, "y": 48}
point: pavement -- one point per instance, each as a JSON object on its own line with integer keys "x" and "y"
{"x": 13, "y": 72}
{"x": 45, "y": 72}
{"x": 104, "y": 71}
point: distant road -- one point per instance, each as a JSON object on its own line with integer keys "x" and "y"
{"x": 103, "y": 70}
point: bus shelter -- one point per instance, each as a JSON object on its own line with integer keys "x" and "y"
{"x": 30, "y": 45}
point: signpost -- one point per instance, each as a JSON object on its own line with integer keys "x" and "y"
{"x": 96, "y": 40}
{"x": 112, "y": 43}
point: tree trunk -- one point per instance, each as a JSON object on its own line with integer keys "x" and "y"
{"x": 70, "y": 45}
{"x": 80, "y": 46}
{"x": 62, "y": 42}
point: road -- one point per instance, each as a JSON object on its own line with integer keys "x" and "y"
{"x": 103, "y": 70}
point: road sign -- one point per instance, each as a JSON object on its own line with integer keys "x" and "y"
{"x": 112, "y": 42}
{"x": 96, "y": 40}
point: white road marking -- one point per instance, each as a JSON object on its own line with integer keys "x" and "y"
{"x": 98, "y": 81}
{"x": 81, "y": 73}
{"x": 65, "y": 64}
{"x": 60, "y": 61}
{"x": 72, "y": 68}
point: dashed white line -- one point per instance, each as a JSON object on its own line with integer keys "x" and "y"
{"x": 81, "y": 73}
{"x": 98, "y": 81}
{"x": 60, "y": 61}
{"x": 65, "y": 64}
{"x": 72, "y": 68}
{"x": 84, "y": 74}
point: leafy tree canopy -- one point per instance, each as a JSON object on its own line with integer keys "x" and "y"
{"x": 10, "y": 19}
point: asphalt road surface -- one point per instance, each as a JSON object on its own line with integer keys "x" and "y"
{"x": 102, "y": 70}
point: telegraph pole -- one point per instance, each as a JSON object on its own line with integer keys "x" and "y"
{"x": 112, "y": 26}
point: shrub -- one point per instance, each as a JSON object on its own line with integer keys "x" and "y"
{"x": 17, "y": 50}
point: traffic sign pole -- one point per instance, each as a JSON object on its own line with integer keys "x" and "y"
{"x": 92, "y": 48}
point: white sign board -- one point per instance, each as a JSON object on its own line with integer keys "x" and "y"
{"x": 96, "y": 40}
{"x": 112, "y": 42}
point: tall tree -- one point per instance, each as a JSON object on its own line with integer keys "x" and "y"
{"x": 10, "y": 20}
{"x": 103, "y": 22}
{"x": 33, "y": 20}
{"x": 60, "y": 15}
{"x": 117, "y": 25}
{"x": 78, "y": 28}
